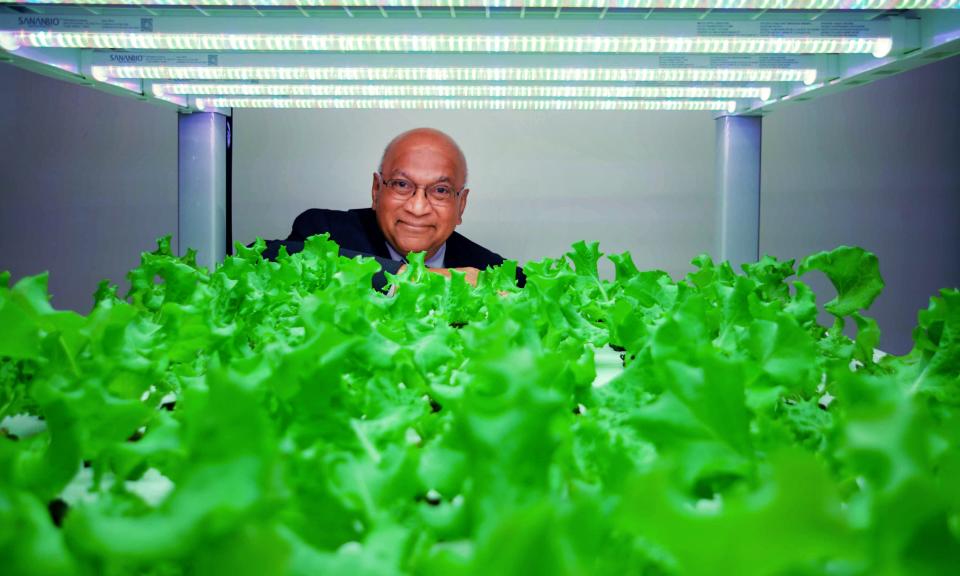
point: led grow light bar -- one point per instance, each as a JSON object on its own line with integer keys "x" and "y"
{"x": 545, "y": 44}
{"x": 489, "y": 104}
{"x": 635, "y": 4}
{"x": 461, "y": 91}
{"x": 457, "y": 74}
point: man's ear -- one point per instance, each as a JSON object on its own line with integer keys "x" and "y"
{"x": 463, "y": 205}
{"x": 374, "y": 188}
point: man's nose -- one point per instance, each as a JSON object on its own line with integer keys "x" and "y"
{"x": 418, "y": 203}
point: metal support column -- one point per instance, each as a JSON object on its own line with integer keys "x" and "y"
{"x": 202, "y": 197}
{"x": 738, "y": 188}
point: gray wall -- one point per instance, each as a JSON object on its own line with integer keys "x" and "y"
{"x": 88, "y": 180}
{"x": 877, "y": 167}
{"x": 539, "y": 181}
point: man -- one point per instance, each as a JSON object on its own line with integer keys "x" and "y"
{"x": 418, "y": 198}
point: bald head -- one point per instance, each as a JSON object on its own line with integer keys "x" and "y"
{"x": 426, "y": 137}
{"x": 421, "y": 159}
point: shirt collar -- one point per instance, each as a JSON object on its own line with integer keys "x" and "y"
{"x": 435, "y": 262}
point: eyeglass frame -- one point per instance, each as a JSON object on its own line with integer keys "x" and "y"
{"x": 384, "y": 183}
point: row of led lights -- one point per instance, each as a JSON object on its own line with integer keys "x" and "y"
{"x": 462, "y": 91}
{"x": 452, "y": 74}
{"x": 443, "y": 43}
{"x": 453, "y": 97}
{"x": 470, "y": 104}
{"x": 463, "y": 97}
{"x": 459, "y": 43}
{"x": 624, "y": 4}
{"x": 435, "y": 96}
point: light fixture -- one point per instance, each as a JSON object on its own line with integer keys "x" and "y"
{"x": 457, "y": 74}
{"x": 463, "y": 91}
{"x": 582, "y": 4}
{"x": 130, "y": 86}
{"x": 457, "y": 43}
{"x": 178, "y": 100}
{"x": 8, "y": 41}
{"x": 464, "y": 104}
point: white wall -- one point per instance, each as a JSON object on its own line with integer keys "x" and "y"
{"x": 88, "y": 180}
{"x": 878, "y": 167}
{"x": 539, "y": 181}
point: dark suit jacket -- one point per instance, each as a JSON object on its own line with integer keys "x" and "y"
{"x": 358, "y": 233}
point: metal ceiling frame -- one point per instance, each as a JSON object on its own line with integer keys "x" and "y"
{"x": 918, "y": 36}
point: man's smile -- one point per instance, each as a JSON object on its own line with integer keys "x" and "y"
{"x": 415, "y": 228}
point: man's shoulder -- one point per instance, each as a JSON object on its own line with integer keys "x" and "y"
{"x": 320, "y": 220}
{"x": 323, "y": 216}
{"x": 354, "y": 229}
{"x": 461, "y": 251}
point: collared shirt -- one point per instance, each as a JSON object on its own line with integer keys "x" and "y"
{"x": 435, "y": 262}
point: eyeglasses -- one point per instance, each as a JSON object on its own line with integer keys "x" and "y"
{"x": 439, "y": 194}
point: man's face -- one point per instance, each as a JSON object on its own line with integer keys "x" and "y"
{"x": 416, "y": 224}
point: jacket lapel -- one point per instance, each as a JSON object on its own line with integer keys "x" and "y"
{"x": 371, "y": 229}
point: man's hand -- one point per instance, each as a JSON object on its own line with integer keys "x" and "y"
{"x": 470, "y": 274}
